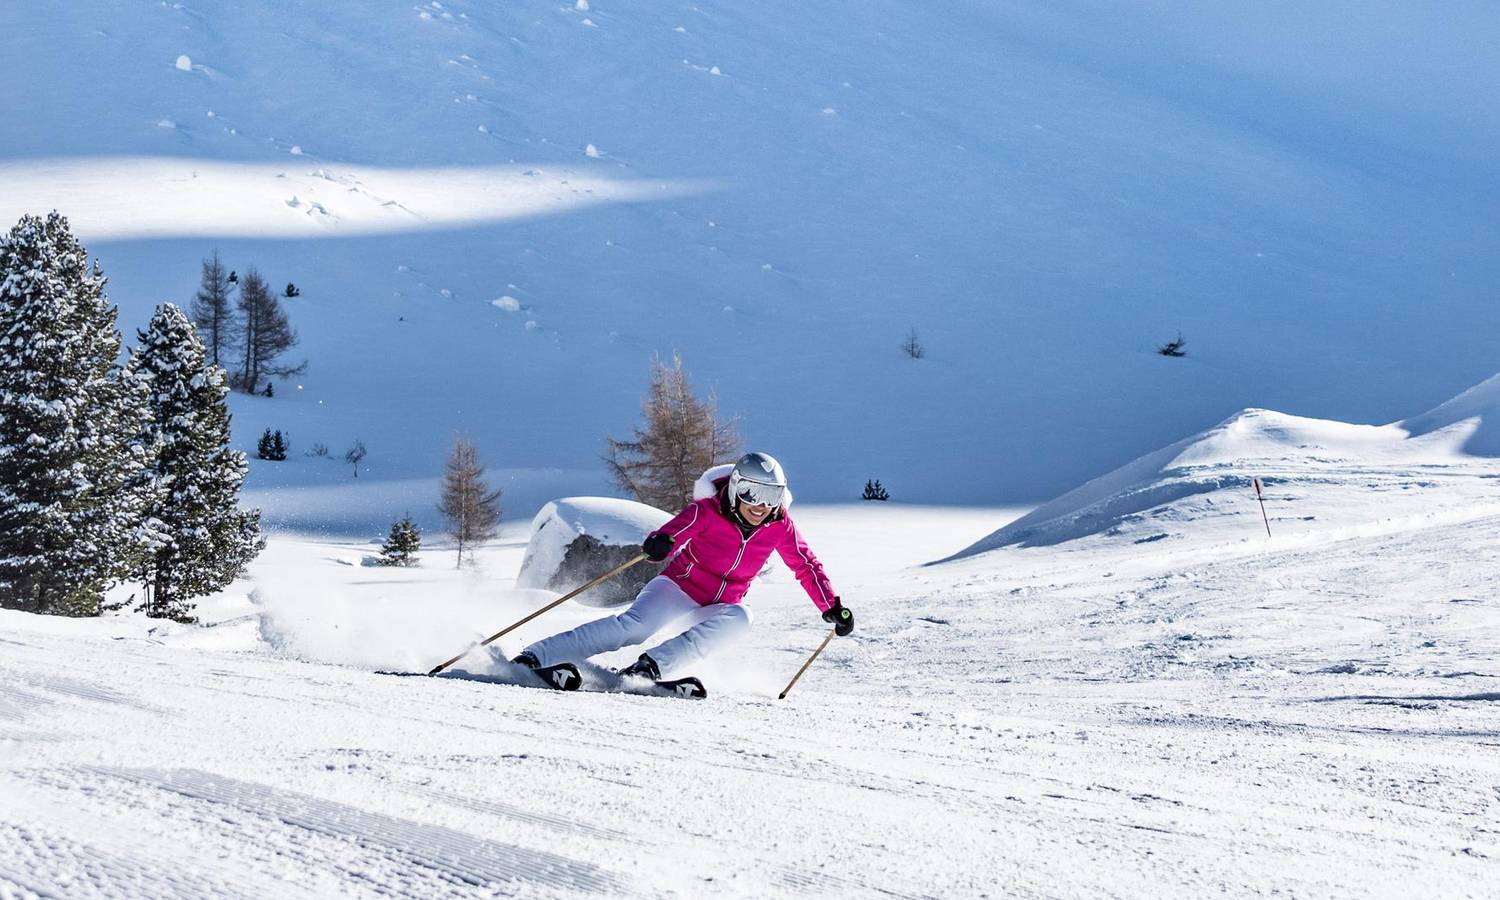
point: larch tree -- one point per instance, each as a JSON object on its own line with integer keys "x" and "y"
{"x": 682, "y": 437}
{"x": 207, "y": 540}
{"x": 212, "y": 312}
{"x": 265, "y": 333}
{"x": 470, "y": 508}
{"x": 75, "y": 486}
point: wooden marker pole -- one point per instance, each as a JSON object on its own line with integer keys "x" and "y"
{"x": 1261, "y": 497}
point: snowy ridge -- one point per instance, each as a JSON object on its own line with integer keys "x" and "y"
{"x": 1200, "y": 486}
{"x": 1472, "y": 419}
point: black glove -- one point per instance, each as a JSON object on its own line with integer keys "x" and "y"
{"x": 840, "y": 618}
{"x": 658, "y": 546}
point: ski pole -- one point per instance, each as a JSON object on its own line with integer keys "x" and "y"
{"x": 831, "y": 633}
{"x": 558, "y": 602}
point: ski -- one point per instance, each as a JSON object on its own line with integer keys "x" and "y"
{"x": 690, "y": 688}
{"x": 562, "y": 677}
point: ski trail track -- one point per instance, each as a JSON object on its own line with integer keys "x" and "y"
{"x": 1317, "y": 720}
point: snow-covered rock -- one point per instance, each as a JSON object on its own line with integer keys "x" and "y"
{"x": 576, "y": 539}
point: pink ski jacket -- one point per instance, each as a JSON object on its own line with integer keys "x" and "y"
{"x": 714, "y": 561}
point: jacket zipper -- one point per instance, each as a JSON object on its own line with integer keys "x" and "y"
{"x": 687, "y": 554}
{"x": 744, "y": 542}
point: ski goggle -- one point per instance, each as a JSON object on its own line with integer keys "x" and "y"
{"x": 753, "y": 493}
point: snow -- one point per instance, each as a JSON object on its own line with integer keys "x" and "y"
{"x": 1429, "y": 463}
{"x": 1077, "y": 676}
{"x": 1235, "y": 174}
{"x": 1308, "y": 720}
{"x": 1472, "y": 418}
{"x": 243, "y": 199}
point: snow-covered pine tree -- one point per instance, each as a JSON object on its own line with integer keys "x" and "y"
{"x": 207, "y": 540}
{"x": 74, "y": 485}
{"x": 403, "y": 543}
{"x": 211, "y": 310}
{"x": 271, "y": 446}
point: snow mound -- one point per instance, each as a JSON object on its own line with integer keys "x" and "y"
{"x": 1209, "y": 476}
{"x": 578, "y": 538}
{"x": 1471, "y": 420}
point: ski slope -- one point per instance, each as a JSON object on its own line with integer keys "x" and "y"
{"x": 498, "y": 213}
{"x": 1312, "y": 715}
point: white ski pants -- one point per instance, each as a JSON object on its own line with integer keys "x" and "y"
{"x": 659, "y": 604}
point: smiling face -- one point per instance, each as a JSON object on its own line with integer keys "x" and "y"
{"x": 755, "y": 514}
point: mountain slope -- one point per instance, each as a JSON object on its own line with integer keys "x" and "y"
{"x": 780, "y": 191}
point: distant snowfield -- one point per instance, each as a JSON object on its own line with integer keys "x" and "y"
{"x": 1043, "y": 191}
{"x": 173, "y": 197}
{"x": 1307, "y": 715}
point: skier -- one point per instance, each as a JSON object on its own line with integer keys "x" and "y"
{"x": 718, "y": 544}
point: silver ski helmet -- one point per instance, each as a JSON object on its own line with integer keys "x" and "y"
{"x": 758, "y": 479}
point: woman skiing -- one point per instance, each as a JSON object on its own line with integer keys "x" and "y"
{"x": 717, "y": 544}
